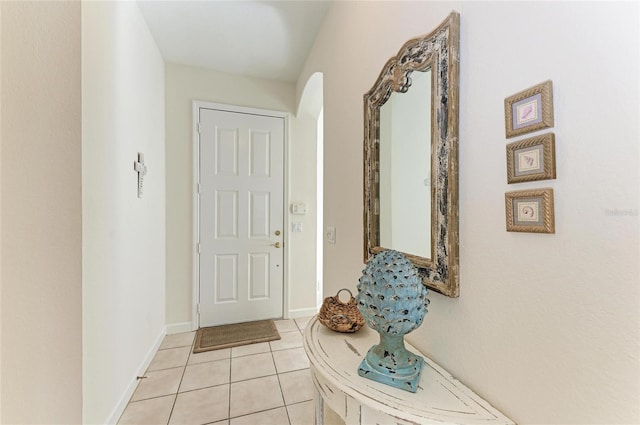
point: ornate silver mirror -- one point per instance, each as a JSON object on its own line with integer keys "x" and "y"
{"x": 411, "y": 157}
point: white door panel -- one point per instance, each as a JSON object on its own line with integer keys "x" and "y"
{"x": 241, "y": 217}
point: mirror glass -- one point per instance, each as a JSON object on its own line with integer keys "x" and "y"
{"x": 405, "y": 168}
{"x": 411, "y": 157}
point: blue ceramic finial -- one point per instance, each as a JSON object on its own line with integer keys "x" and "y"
{"x": 393, "y": 301}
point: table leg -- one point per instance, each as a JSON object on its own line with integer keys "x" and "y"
{"x": 318, "y": 403}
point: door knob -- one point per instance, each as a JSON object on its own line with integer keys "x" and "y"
{"x": 277, "y": 244}
{"x": 277, "y": 232}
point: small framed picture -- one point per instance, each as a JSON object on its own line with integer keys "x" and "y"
{"x": 529, "y": 110}
{"x": 532, "y": 159}
{"x": 530, "y": 211}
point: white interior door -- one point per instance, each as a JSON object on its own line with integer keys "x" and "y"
{"x": 241, "y": 217}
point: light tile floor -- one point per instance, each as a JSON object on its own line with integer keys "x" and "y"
{"x": 259, "y": 384}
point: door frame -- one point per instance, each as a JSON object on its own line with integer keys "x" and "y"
{"x": 197, "y": 105}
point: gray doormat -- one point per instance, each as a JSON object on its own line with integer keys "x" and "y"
{"x": 225, "y": 336}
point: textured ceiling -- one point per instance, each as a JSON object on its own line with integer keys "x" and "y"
{"x": 266, "y": 39}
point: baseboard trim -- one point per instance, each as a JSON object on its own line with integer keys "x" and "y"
{"x": 176, "y": 328}
{"x": 124, "y": 400}
{"x": 302, "y": 312}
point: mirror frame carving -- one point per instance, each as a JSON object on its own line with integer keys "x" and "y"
{"x": 440, "y": 52}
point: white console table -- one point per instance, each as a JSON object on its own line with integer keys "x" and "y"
{"x": 441, "y": 399}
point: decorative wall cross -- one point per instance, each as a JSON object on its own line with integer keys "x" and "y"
{"x": 141, "y": 169}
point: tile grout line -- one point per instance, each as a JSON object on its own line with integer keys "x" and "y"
{"x": 230, "y": 369}
{"x": 284, "y": 402}
{"x": 264, "y": 410}
{"x": 181, "y": 378}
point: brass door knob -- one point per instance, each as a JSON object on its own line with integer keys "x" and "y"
{"x": 277, "y": 244}
{"x": 277, "y": 232}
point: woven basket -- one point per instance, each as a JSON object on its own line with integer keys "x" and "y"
{"x": 339, "y": 316}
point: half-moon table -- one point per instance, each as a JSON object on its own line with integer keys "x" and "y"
{"x": 441, "y": 399}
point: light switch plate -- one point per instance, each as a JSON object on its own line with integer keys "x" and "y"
{"x": 331, "y": 234}
{"x": 299, "y": 208}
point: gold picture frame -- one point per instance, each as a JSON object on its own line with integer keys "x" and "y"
{"x": 532, "y": 159}
{"x": 530, "y": 211}
{"x": 529, "y": 110}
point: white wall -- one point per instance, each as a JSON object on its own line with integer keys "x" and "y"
{"x": 303, "y": 188}
{"x": 41, "y": 241}
{"x": 184, "y": 84}
{"x": 303, "y": 185}
{"x": 123, "y": 236}
{"x": 547, "y": 326}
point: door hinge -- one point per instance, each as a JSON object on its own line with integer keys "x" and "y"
{"x": 198, "y": 308}
{"x": 198, "y": 248}
{"x": 199, "y": 188}
{"x": 199, "y": 128}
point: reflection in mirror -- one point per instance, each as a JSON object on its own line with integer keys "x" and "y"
{"x": 405, "y": 171}
{"x": 411, "y": 157}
